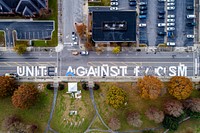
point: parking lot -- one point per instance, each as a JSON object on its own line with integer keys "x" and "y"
{"x": 158, "y": 22}
{"x": 123, "y": 5}
{"x": 30, "y": 30}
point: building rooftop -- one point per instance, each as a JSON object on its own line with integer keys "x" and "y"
{"x": 114, "y": 26}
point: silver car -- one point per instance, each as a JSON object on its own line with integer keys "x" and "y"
{"x": 170, "y": 28}
{"x": 171, "y": 8}
{"x": 170, "y": 20}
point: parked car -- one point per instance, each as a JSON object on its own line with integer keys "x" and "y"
{"x": 171, "y": 8}
{"x": 74, "y": 36}
{"x": 161, "y": 16}
{"x": 170, "y": 20}
{"x": 170, "y": 4}
{"x": 170, "y": 16}
{"x": 113, "y": 8}
{"x": 162, "y": 33}
{"x": 142, "y": 3}
{"x": 171, "y": 43}
{"x": 143, "y": 12}
{"x": 170, "y": 34}
{"x": 190, "y": 16}
{"x": 114, "y": 3}
{"x": 142, "y": 16}
{"x": 132, "y": 3}
{"x": 143, "y": 8}
{"x": 170, "y": 28}
{"x": 161, "y": 12}
{"x": 170, "y": 0}
{"x": 83, "y": 53}
{"x": 161, "y": 0}
{"x": 191, "y": 24}
{"x": 190, "y": 36}
{"x": 161, "y": 24}
{"x": 142, "y": 25}
{"x": 132, "y": 0}
{"x": 190, "y": 7}
{"x": 170, "y": 24}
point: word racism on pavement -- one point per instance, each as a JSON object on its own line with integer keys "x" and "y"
{"x": 105, "y": 70}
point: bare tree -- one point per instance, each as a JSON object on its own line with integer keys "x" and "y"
{"x": 193, "y": 104}
{"x": 173, "y": 108}
{"x": 133, "y": 118}
{"x": 114, "y": 123}
{"x": 155, "y": 114}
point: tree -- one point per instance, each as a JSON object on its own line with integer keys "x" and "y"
{"x": 116, "y": 50}
{"x": 14, "y": 124}
{"x": 116, "y": 97}
{"x": 150, "y": 87}
{"x": 170, "y": 122}
{"x": 193, "y": 104}
{"x": 114, "y": 123}
{"x": 25, "y": 96}
{"x": 81, "y": 29}
{"x": 7, "y": 86}
{"x": 180, "y": 87}
{"x": 133, "y": 119}
{"x": 20, "y": 48}
{"x": 155, "y": 115}
{"x": 173, "y": 108}
{"x": 96, "y": 87}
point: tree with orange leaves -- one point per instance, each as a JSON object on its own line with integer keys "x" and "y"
{"x": 180, "y": 87}
{"x": 150, "y": 87}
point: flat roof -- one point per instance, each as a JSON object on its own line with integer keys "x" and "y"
{"x": 114, "y": 26}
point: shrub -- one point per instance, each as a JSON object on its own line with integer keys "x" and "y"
{"x": 96, "y": 87}
{"x": 170, "y": 122}
{"x": 85, "y": 86}
{"x": 61, "y": 87}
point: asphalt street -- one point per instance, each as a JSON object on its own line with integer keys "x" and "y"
{"x": 10, "y": 61}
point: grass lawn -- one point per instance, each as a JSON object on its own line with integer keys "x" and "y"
{"x": 37, "y": 114}
{"x": 64, "y": 104}
{"x": 135, "y": 103}
{"x": 2, "y": 39}
{"x": 102, "y": 3}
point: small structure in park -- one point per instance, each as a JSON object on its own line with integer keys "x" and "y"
{"x": 73, "y": 90}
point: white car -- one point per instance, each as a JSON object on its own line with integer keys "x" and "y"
{"x": 170, "y": 20}
{"x": 171, "y": 8}
{"x": 170, "y": 28}
{"x": 170, "y": 0}
{"x": 142, "y": 25}
{"x": 114, "y": 3}
{"x": 190, "y": 36}
{"x": 161, "y": 24}
{"x": 171, "y": 43}
{"x": 170, "y": 24}
{"x": 113, "y": 8}
{"x": 84, "y": 53}
{"x": 170, "y": 4}
{"x": 170, "y": 16}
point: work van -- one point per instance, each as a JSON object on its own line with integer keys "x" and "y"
{"x": 191, "y": 16}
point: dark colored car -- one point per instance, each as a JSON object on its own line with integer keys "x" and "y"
{"x": 161, "y": 12}
{"x": 162, "y": 33}
{"x": 132, "y": 0}
{"x": 132, "y": 3}
{"x": 143, "y": 8}
{"x": 191, "y": 24}
{"x": 161, "y": 16}
{"x": 190, "y": 8}
{"x": 143, "y": 12}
